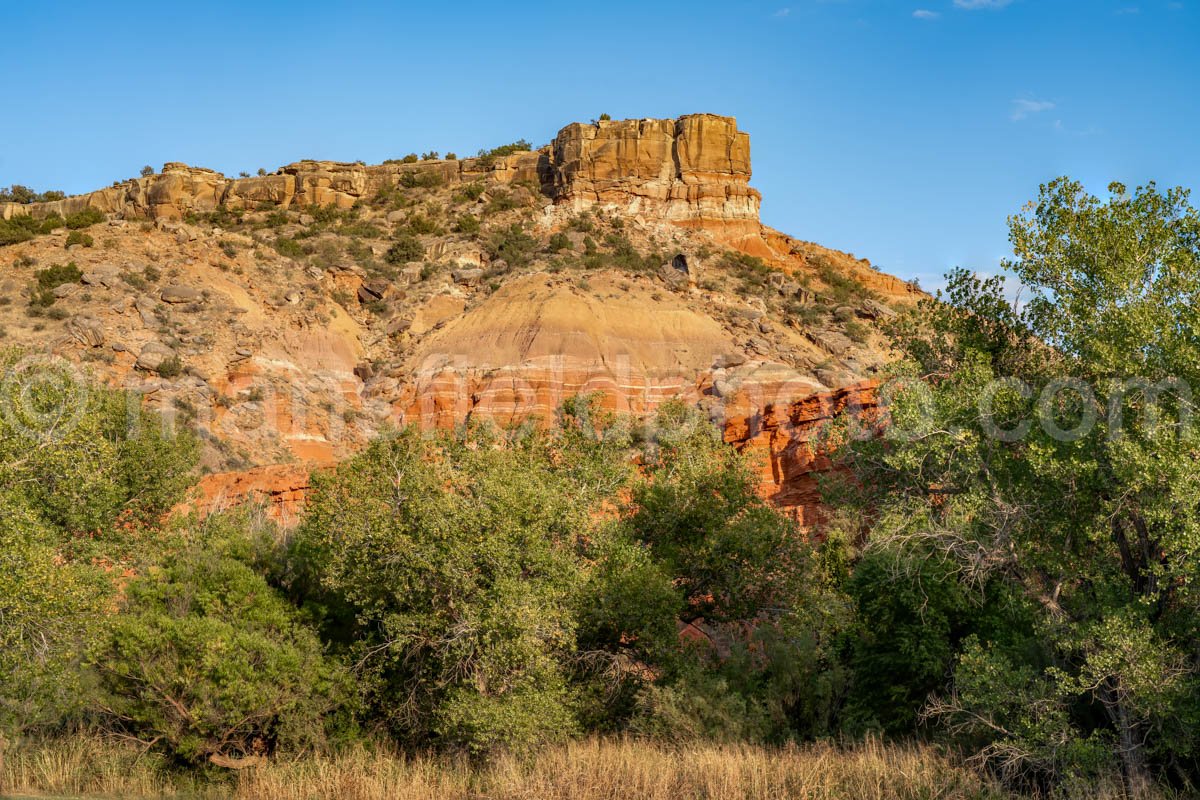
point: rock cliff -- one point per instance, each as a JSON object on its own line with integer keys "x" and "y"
{"x": 692, "y": 171}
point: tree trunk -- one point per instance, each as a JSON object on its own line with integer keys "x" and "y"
{"x": 1133, "y": 764}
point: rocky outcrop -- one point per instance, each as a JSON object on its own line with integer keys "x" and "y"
{"x": 692, "y": 171}
{"x": 794, "y": 439}
{"x": 180, "y": 190}
{"x": 280, "y": 490}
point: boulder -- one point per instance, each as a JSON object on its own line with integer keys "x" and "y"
{"x": 372, "y": 291}
{"x": 873, "y": 309}
{"x": 830, "y": 341}
{"x": 399, "y": 325}
{"x": 673, "y": 277}
{"x": 728, "y": 360}
{"x": 105, "y": 278}
{"x": 145, "y": 307}
{"x": 152, "y": 356}
{"x": 467, "y": 277}
{"x": 412, "y": 273}
{"x": 86, "y": 330}
{"x": 180, "y": 294}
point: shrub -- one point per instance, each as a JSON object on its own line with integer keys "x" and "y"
{"x": 451, "y": 157}
{"x": 421, "y": 180}
{"x": 432, "y": 155}
{"x": 625, "y": 256}
{"x": 136, "y": 281}
{"x": 289, "y": 248}
{"x": 464, "y": 584}
{"x": 23, "y": 194}
{"x": 275, "y": 219}
{"x": 57, "y": 275}
{"x": 857, "y": 331}
{"x": 208, "y": 661}
{"x": 418, "y": 224}
{"x": 147, "y": 171}
{"x": 362, "y": 228}
{"x": 23, "y": 228}
{"x": 406, "y": 248}
{"x": 51, "y": 607}
{"x": 467, "y": 223}
{"x": 85, "y": 218}
{"x": 171, "y": 367}
{"x": 513, "y": 245}
{"x": 558, "y": 242}
{"x": 499, "y": 201}
{"x": 842, "y": 288}
{"x": 18, "y": 194}
{"x": 752, "y": 272}
{"x": 518, "y": 146}
{"x": 79, "y": 238}
{"x": 411, "y": 158}
{"x": 469, "y": 193}
{"x": 47, "y": 280}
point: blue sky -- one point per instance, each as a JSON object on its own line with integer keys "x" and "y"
{"x": 904, "y": 132}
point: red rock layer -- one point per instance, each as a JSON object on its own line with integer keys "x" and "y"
{"x": 794, "y": 441}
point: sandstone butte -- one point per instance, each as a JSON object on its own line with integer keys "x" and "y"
{"x": 300, "y": 341}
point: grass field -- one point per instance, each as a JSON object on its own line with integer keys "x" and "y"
{"x": 586, "y": 770}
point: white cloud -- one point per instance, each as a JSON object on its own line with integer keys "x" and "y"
{"x": 924, "y": 13}
{"x": 1023, "y": 108}
{"x": 783, "y": 12}
{"x": 975, "y": 5}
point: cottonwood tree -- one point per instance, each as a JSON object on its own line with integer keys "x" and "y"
{"x": 1050, "y": 449}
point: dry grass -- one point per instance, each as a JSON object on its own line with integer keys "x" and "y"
{"x": 594, "y": 769}
{"x": 587, "y": 770}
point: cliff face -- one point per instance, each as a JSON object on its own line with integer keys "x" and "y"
{"x": 613, "y": 260}
{"x": 692, "y": 171}
{"x": 180, "y": 190}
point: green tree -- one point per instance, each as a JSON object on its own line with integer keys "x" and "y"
{"x": 86, "y": 458}
{"x": 1050, "y": 448}
{"x": 447, "y": 568}
{"x": 50, "y": 609}
{"x": 207, "y": 661}
{"x": 83, "y": 469}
